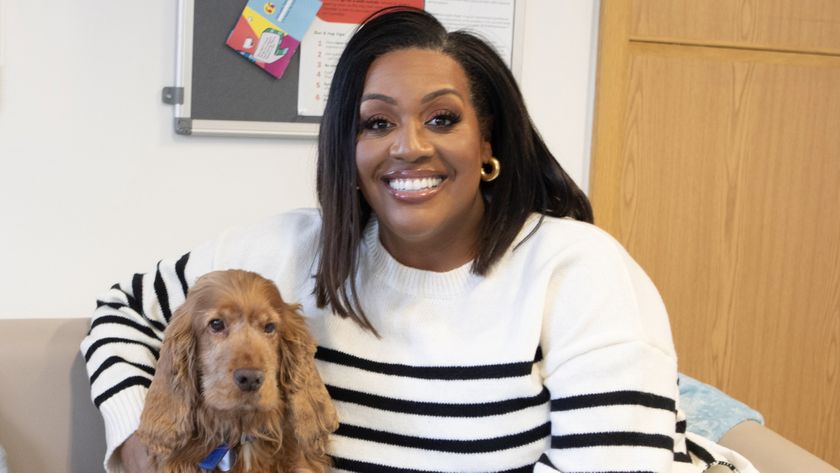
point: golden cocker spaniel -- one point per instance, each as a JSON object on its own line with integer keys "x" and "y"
{"x": 236, "y": 384}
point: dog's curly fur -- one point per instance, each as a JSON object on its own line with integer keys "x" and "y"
{"x": 234, "y": 320}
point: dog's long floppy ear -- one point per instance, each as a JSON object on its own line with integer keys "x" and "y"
{"x": 167, "y": 419}
{"x": 311, "y": 409}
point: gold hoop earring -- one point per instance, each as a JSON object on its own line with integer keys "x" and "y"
{"x": 493, "y": 173}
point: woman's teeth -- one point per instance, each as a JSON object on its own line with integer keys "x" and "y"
{"x": 414, "y": 184}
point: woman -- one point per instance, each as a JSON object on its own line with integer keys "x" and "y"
{"x": 483, "y": 324}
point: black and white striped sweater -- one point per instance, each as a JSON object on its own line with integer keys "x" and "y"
{"x": 560, "y": 359}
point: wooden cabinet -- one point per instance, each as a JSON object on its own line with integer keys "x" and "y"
{"x": 716, "y": 162}
{"x": 776, "y": 25}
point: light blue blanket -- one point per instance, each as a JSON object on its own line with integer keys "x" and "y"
{"x": 710, "y": 412}
{"x": 3, "y": 467}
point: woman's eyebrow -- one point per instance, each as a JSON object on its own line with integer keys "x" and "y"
{"x": 433, "y": 95}
{"x": 381, "y": 97}
{"x": 426, "y": 98}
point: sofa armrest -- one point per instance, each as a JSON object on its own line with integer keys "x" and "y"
{"x": 770, "y": 452}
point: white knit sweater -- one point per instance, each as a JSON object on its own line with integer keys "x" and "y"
{"x": 559, "y": 359}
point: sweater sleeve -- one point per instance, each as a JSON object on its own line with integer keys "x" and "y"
{"x": 609, "y": 365}
{"x": 124, "y": 340}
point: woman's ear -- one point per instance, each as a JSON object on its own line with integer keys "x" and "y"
{"x": 309, "y": 405}
{"x": 167, "y": 419}
{"x": 486, "y": 152}
{"x": 485, "y": 125}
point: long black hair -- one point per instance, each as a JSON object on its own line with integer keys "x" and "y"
{"x": 531, "y": 180}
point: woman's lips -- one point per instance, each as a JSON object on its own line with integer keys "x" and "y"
{"x": 413, "y": 186}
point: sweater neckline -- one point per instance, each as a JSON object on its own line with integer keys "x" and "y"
{"x": 418, "y": 282}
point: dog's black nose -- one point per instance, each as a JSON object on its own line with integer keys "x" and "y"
{"x": 248, "y": 379}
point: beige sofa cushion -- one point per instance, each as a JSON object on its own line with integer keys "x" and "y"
{"x": 47, "y": 420}
{"x": 770, "y": 452}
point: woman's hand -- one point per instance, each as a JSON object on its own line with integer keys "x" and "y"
{"x": 135, "y": 457}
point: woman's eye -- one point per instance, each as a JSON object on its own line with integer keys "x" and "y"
{"x": 270, "y": 328}
{"x": 217, "y": 325}
{"x": 377, "y": 124}
{"x": 443, "y": 120}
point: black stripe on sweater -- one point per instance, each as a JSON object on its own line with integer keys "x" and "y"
{"x": 162, "y": 294}
{"x": 105, "y": 341}
{"x": 681, "y": 457}
{"x": 612, "y": 439}
{"x": 506, "y": 370}
{"x": 437, "y": 409}
{"x": 617, "y": 398}
{"x": 699, "y": 452}
{"x": 125, "y": 384}
{"x": 119, "y": 320}
{"x": 113, "y": 305}
{"x": 365, "y": 467}
{"x": 180, "y": 270}
{"x": 445, "y": 445}
{"x": 116, "y": 359}
{"x": 681, "y": 426}
{"x": 546, "y": 461}
{"x": 135, "y": 300}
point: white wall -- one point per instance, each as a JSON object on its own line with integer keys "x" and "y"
{"x": 95, "y": 185}
{"x": 558, "y": 77}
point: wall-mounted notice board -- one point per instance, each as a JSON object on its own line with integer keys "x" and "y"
{"x": 219, "y": 92}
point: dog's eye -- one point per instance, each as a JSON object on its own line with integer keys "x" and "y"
{"x": 217, "y": 325}
{"x": 270, "y": 328}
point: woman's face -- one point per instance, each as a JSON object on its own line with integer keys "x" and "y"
{"x": 419, "y": 155}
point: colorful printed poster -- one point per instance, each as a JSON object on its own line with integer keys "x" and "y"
{"x": 268, "y": 32}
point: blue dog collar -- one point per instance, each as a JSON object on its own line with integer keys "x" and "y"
{"x": 221, "y": 457}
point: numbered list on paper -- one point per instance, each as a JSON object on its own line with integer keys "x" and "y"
{"x": 320, "y": 50}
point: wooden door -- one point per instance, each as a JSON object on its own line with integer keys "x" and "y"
{"x": 716, "y": 162}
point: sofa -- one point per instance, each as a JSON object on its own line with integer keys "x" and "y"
{"x": 48, "y": 423}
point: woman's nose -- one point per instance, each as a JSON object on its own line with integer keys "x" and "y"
{"x": 410, "y": 142}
